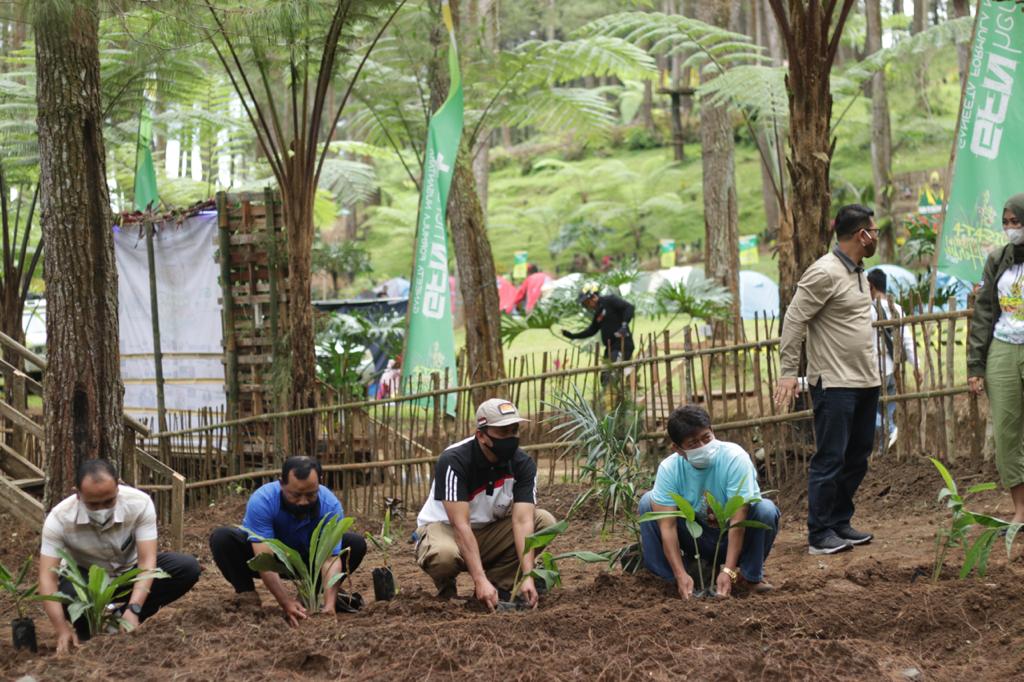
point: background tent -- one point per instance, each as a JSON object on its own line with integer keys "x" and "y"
{"x": 570, "y": 281}
{"x": 396, "y": 287}
{"x": 899, "y": 280}
{"x": 649, "y": 282}
{"x": 758, "y": 295}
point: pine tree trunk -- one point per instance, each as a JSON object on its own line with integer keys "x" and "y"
{"x": 881, "y": 136}
{"x": 82, "y": 386}
{"x": 721, "y": 220}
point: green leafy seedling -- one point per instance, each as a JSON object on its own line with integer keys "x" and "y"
{"x": 307, "y": 574}
{"x": 961, "y": 521}
{"x": 15, "y": 586}
{"x": 97, "y": 592}
{"x": 724, "y": 516}
{"x": 384, "y": 539}
{"x": 684, "y": 510}
{"x": 546, "y": 563}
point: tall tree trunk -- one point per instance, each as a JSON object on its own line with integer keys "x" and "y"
{"x": 82, "y": 386}
{"x": 487, "y": 15}
{"x": 721, "y": 219}
{"x": 767, "y": 35}
{"x": 962, "y": 8}
{"x": 881, "y": 134}
{"x": 647, "y": 106}
{"x": 920, "y": 21}
{"x": 473, "y": 256}
{"x": 811, "y": 44}
{"x": 294, "y": 356}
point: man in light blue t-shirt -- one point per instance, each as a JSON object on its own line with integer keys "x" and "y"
{"x": 701, "y": 464}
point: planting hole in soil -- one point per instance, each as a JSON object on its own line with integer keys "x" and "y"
{"x": 383, "y": 584}
{"x": 23, "y": 634}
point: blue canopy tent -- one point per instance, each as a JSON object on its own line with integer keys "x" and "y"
{"x": 758, "y": 294}
{"x": 900, "y": 280}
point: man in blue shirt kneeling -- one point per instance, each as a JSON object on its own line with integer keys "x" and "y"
{"x": 700, "y": 465}
{"x": 287, "y": 510}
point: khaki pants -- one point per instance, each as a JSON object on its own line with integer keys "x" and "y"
{"x": 438, "y": 554}
{"x": 1004, "y": 383}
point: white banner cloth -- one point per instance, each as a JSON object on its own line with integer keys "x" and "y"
{"x": 188, "y": 295}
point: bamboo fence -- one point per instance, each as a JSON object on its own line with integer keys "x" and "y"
{"x": 372, "y": 450}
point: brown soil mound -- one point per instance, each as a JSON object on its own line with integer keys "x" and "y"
{"x": 867, "y": 614}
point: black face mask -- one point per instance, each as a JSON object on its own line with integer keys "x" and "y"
{"x": 300, "y": 511}
{"x": 504, "y": 448}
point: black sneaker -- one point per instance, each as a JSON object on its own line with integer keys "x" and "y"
{"x": 854, "y": 537}
{"x": 830, "y": 544}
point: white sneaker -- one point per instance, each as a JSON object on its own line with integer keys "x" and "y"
{"x": 893, "y": 435}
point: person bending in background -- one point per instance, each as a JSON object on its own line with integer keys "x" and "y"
{"x": 612, "y": 316}
{"x": 702, "y": 464}
{"x": 878, "y": 284}
{"x": 288, "y": 510}
{"x": 112, "y": 526}
{"x": 995, "y": 350}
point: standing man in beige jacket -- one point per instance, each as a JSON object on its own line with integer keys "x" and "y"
{"x": 832, "y": 310}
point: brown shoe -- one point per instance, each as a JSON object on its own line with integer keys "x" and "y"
{"x": 744, "y": 585}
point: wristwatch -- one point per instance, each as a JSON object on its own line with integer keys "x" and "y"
{"x": 134, "y": 608}
{"x": 731, "y": 573}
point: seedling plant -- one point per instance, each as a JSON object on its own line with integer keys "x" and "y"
{"x": 961, "y": 521}
{"x": 307, "y": 574}
{"x": 96, "y": 593}
{"x": 546, "y": 563}
{"x": 23, "y": 629}
{"x": 384, "y": 585}
{"x": 684, "y": 510}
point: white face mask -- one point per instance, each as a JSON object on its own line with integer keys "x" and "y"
{"x": 701, "y": 457}
{"x": 100, "y": 517}
{"x": 1015, "y": 235}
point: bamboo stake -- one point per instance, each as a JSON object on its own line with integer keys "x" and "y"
{"x": 951, "y": 380}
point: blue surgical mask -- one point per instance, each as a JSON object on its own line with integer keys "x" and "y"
{"x": 701, "y": 457}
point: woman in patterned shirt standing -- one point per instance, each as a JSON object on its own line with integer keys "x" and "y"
{"x": 995, "y": 352}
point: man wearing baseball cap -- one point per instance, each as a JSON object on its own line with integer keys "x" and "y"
{"x": 481, "y": 507}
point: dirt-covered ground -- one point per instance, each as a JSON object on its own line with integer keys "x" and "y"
{"x": 867, "y": 614}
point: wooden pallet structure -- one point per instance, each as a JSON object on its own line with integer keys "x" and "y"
{"x": 253, "y": 259}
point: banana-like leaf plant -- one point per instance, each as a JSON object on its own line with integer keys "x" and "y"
{"x": 96, "y": 592}
{"x": 306, "y": 573}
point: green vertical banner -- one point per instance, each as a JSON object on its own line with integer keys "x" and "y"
{"x": 667, "y": 253}
{"x": 989, "y": 142}
{"x": 430, "y": 342}
{"x": 519, "y": 265}
{"x": 146, "y": 196}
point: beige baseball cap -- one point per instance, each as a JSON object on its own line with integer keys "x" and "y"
{"x": 497, "y": 412}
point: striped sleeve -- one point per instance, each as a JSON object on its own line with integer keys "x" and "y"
{"x": 525, "y": 471}
{"x": 450, "y": 484}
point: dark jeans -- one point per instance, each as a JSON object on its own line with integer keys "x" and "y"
{"x": 757, "y": 543}
{"x": 232, "y": 550}
{"x": 184, "y": 571}
{"x": 844, "y": 427}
